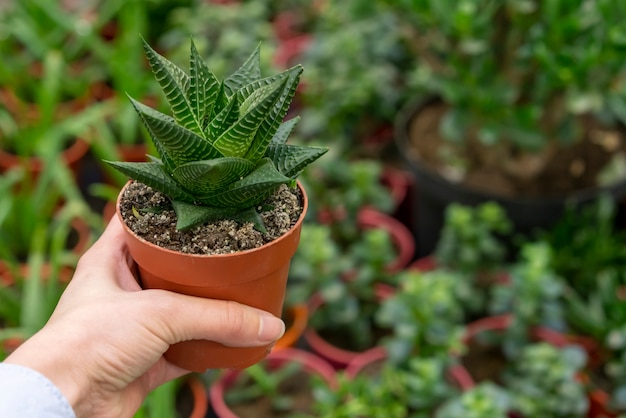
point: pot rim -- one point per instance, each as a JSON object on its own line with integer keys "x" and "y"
{"x": 413, "y": 107}
{"x": 305, "y": 204}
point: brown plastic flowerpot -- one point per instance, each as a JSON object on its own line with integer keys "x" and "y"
{"x": 255, "y": 277}
{"x": 310, "y": 363}
{"x": 297, "y": 319}
{"x": 199, "y": 399}
{"x": 338, "y": 357}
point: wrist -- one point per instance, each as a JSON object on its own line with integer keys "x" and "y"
{"x": 41, "y": 355}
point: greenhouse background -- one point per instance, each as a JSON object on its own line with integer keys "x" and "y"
{"x": 463, "y": 254}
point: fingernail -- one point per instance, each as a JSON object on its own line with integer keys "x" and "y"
{"x": 270, "y": 328}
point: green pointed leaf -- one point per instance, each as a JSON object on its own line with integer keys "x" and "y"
{"x": 205, "y": 177}
{"x": 174, "y": 82}
{"x": 224, "y": 120}
{"x": 153, "y": 175}
{"x": 250, "y": 215}
{"x": 290, "y": 160}
{"x": 274, "y": 118}
{"x": 237, "y": 139}
{"x": 204, "y": 88}
{"x": 176, "y": 142}
{"x": 190, "y": 215}
{"x": 221, "y": 101}
{"x": 249, "y": 71}
{"x": 284, "y": 130}
{"x": 251, "y": 190}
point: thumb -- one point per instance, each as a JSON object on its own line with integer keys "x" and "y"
{"x": 183, "y": 318}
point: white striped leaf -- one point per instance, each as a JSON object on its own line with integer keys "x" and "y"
{"x": 204, "y": 177}
{"x": 284, "y": 130}
{"x": 178, "y": 143}
{"x": 236, "y": 140}
{"x": 174, "y": 82}
{"x": 251, "y": 190}
{"x": 189, "y": 215}
{"x": 153, "y": 175}
{"x": 290, "y": 160}
{"x": 273, "y": 118}
{"x": 204, "y": 88}
{"x": 249, "y": 71}
{"x": 221, "y": 122}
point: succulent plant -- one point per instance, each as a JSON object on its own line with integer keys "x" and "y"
{"x": 224, "y": 149}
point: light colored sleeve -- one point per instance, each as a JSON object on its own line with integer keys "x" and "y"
{"x": 27, "y": 393}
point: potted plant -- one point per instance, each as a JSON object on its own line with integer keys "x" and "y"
{"x": 371, "y": 385}
{"x": 485, "y": 400}
{"x": 225, "y": 173}
{"x": 426, "y": 320}
{"x": 545, "y": 382}
{"x": 471, "y": 245}
{"x": 521, "y": 103}
{"x": 343, "y": 289}
{"x": 350, "y": 195}
{"x": 425, "y": 316}
{"x": 281, "y": 385}
{"x": 600, "y": 314}
{"x": 532, "y": 297}
{"x": 360, "y": 45}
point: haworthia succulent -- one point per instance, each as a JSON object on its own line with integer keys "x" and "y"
{"x": 223, "y": 151}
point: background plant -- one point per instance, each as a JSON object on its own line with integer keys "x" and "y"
{"x": 425, "y": 317}
{"x": 601, "y": 314}
{"x": 345, "y": 280}
{"x": 485, "y": 400}
{"x": 518, "y": 75}
{"x": 533, "y": 296}
{"x": 261, "y": 382}
{"x": 389, "y": 391}
{"x": 358, "y": 43}
{"x": 545, "y": 381}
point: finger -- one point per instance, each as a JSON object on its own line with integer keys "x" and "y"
{"x": 185, "y": 318}
{"x": 111, "y": 242}
{"x": 107, "y": 260}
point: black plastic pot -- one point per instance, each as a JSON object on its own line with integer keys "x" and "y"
{"x": 434, "y": 193}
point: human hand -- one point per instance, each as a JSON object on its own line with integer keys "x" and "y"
{"x": 103, "y": 345}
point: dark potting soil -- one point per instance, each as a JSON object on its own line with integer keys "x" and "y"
{"x": 284, "y": 208}
{"x": 484, "y": 362}
{"x": 504, "y": 171}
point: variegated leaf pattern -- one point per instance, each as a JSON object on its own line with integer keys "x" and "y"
{"x": 275, "y": 116}
{"x": 221, "y": 122}
{"x": 236, "y": 140}
{"x": 179, "y": 143}
{"x": 203, "y": 89}
{"x": 249, "y": 71}
{"x": 205, "y": 177}
{"x": 224, "y": 150}
{"x": 175, "y": 83}
{"x": 153, "y": 174}
{"x": 290, "y": 160}
{"x": 284, "y": 130}
{"x": 189, "y": 215}
{"x": 250, "y": 190}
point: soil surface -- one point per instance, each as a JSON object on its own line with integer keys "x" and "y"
{"x": 284, "y": 208}
{"x": 508, "y": 171}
